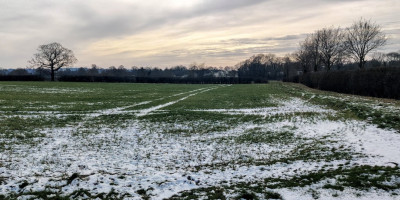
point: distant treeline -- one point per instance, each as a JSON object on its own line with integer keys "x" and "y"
{"x": 195, "y": 74}
{"x": 133, "y": 79}
{"x": 257, "y": 69}
{"x": 335, "y": 59}
{"x": 380, "y": 82}
{"x": 179, "y": 74}
{"x": 21, "y": 78}
{"x": 331, "y": 58}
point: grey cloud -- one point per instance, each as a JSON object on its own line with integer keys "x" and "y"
{"x": 78, "y": 19}
{"x": 82, "y": 21}
{"x": 76, "y": 23}
{"x": 227, "y": 57}
{"x": 264, "y": 40}
{"x": 125, "y": 23}
{"x": 223, "y": 5}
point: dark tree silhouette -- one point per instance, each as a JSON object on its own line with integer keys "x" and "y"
{"x": 309, "y": 53}
{"x": 93, "y": 71}
{"x": 53, "y": 56}
{"x": 303, "y": 56}
{"x": 363, "y": 37}
{"x": 261, "y": 68}
{"x": 19, "y": 72}
{"x": 331, "y": 46}
{"x": 393, "y": 56}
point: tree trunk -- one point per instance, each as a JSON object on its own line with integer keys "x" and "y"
{"x": 52, "y": 74}
{"x": 361, "y": 64}
{"x": 315, "y": 66}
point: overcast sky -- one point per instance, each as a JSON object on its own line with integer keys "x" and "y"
{"x": 171, "y": 32}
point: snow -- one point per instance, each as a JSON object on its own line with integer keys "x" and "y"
{"x": 374, "y": 141}
{"x": 146, "y": 157}
{"x": 326, "y": 194}
{"x": 292, "y": 106}
{"x": 152, "y": 109}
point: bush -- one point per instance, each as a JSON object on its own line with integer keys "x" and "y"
{"x": 113, "y": 79}
{"x": 375, "y": 82}
{"x": 21, "y": 78}
{"x": 133, "y": 79}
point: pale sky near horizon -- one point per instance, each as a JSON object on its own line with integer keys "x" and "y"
{"x": 165, "y": 33}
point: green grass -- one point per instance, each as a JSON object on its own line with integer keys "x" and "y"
{"x": 258, "y": 136}
{"x": 28, "y": 107}
{"x": 352, "y": 107}
{"x": 75, "y": 97}
{"x": 359, "y": 177}
{"x": 29, "y": 110}
{"x": 236, "y": 96}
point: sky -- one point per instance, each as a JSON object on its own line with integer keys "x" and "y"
{"x": 166, "y": 33}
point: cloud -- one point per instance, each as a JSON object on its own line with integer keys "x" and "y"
{"x": 238, "y": 41}
{"x": 169, "y": 32}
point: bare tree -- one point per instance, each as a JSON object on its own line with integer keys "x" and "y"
{"x": 303, "y": 56}
{"x": 393, "y": 56}
{"x": 289, "y": 65}
{"x": 53, "y": 56}
{"x": 331, "y": 46}
{"x": 19, "y": 72}
{"x": 315, "y": 43}
{"x": 94, "y": 70}
{"x": 379, "y": 58}
{"x": 362, "y": 37}
{"x": 309, "y": 52}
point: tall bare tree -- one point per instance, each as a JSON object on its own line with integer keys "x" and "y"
{"x": 289, "y": 65}
{"x": 315, "y": 42}
{"x": 53, "y": 56}
{"x": 393, "y": 56}
{"x": 331, "y": 46}
{"x": 303, "y": 56}
{"x": 361, "y": 38}
{"x": 379, "y": 58}
{"x": 309, "y": 52}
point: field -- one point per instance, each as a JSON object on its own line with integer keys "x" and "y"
{"x": 164, "y": 141}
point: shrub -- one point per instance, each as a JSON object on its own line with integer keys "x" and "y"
{"x": 375, "y": 82}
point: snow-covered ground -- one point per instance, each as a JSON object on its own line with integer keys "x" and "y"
{"x": 142, "y": 156}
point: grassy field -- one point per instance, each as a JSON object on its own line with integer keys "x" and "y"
{"x": 165, "y": 141}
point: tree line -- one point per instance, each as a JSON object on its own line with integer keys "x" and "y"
{"x": 336, "y": 46}
{"x": 195, "y": 73}
{"x": 327, "y": 49}
{"x": 335, "y": 59}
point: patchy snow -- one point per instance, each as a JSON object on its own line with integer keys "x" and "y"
{"x": 43, "y": 90}
{"x": 142, "y": 156}
{"x": 119, "y": 110}
{"x": 292, "y": 106}
{"x": 374, "y": 141}
{"x": 326, "y": 194}
{"x": 152, "y": 109}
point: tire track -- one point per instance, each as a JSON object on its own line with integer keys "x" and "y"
{"x": 147, "y": 111}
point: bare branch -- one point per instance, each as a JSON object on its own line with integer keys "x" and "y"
{"x": 363, "y": 37}
{"x": 53, "y": 56}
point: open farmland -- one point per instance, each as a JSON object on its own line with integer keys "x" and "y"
{"x": 156, "y": 141}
